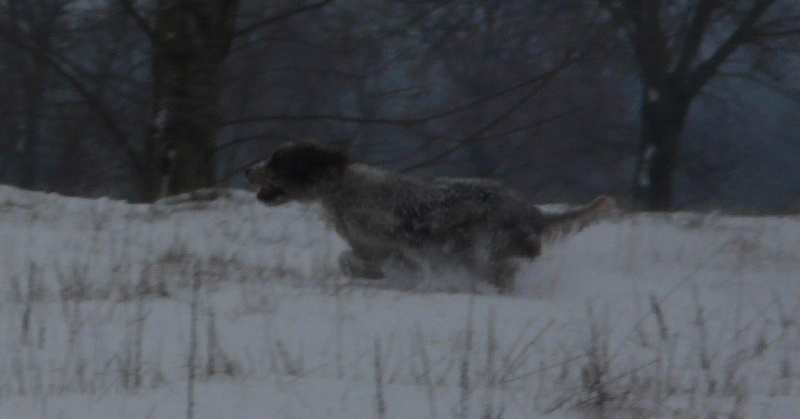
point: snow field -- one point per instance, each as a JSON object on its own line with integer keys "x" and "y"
{"x": 644, "y": 315}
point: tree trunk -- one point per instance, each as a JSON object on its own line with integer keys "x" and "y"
{"x": 28, "y": 145}
{"x": 190, "y": 42}
{"x": 29, "y": 65}
{"x": 663, "y": 116}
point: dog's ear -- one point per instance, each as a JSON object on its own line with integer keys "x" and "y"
{"x": 329, "y": 159}
{"x": 310, "y": 160}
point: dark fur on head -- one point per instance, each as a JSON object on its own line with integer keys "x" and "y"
{"x": 392, "y": 219}
{"x": 296, "y": 171}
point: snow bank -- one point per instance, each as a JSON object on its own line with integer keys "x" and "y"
{"x": 644, "y": 315}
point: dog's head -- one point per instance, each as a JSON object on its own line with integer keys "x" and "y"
{"x": 296, "y": 171}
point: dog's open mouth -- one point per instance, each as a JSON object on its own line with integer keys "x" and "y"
{"x": 270, "y": 192}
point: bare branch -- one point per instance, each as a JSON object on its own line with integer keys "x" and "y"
{"x": 771, "y": 85}
{"x": 538, "y": 79}
{"x": 140, "y": 20}
{"x": 282, "y": 16}
{"x": 708, "y": 68}
{"x": 480, "y": 134}
{"x": 694, "y": 34}
{"x": 92, "y": 99}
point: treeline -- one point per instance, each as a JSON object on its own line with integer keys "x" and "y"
{"x": 667, "y": 103}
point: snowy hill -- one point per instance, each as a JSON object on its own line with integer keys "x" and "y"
{"x": 644, "y": 315}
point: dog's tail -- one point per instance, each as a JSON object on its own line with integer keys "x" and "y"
{"x": 575, "y": 219}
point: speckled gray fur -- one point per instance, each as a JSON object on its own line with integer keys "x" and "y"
{"x": 402, "y": 221}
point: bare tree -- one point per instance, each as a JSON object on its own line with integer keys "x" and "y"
{"x": 191, "y": 40}
{"x": 38, "y": 19}
{"x": 96, "y": 59}
{"x": 155, "y": 97}
{"x": 70, "y": 76}
{"x": 678, "y": 48}
{"x": 468, "y": 85}
{"x": 448, "y": 82}
{"x": 516, "y": 67}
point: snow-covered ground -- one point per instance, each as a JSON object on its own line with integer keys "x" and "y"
{"x": 682, "y": 315}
